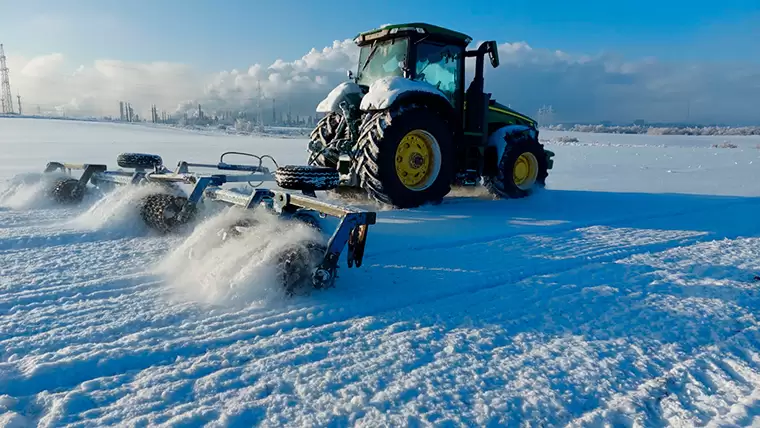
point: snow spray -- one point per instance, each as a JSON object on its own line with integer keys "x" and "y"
{"x": 209, "y": 267}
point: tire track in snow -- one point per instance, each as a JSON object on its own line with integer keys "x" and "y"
{"x": 37, "y": 240}
{"x": 525, "y": 305}
{"x": 52, "y": 321}
{"x": 106, "y": 366}
{"x": 704, "y": 379}
{"x": 25, "y": 299}
{"x": 568, "y": 264}
{"x": 495, "y": 279}
{"x": 13, "y": 222}
{"x": 408, "y": 361}
{"x": 655, "y": 393}
{"x": 553, "y": 229}
{"x": 101, "y": 363}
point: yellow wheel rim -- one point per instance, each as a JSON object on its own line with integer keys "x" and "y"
{"x": 525, "y": 171}
{"x": 418, "y": 160}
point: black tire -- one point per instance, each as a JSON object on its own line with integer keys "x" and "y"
{"x": 380, "y": 134}
{"x": 325, "y": 133}
{"x": 301, "y": 177}
{"x": 139, "y": 160}
{"x": 67, "y": 191}
{"x": 502, "y": 185}
{"x": 160, "y": 212}
{"x": 296, "y": 264}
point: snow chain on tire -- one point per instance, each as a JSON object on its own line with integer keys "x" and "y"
{"x": 139, "y": 160}
{"x": 300, "y": 177}
{"x": 325, "y": 133}
{"x": 296, "y": 264}
{"x": 67, "y": 191}
{"x": 160, "y": 212}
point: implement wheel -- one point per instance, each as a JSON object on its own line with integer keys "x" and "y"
{"x": 406, "y": 157}
{"x": 301, "y": 177}
{"x": 161, "y": 212}
{"x": 296, "y": 264}
{"x": 67, "y": 191}
{"x": 139, "y": 160}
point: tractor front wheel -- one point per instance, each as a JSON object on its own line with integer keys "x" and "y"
{"x": 406, "y": 157}
{"x": 523, "y": 167}
{"x": 322, "y": 152}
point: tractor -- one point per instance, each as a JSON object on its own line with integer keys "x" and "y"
{"x": 403, "y": 130}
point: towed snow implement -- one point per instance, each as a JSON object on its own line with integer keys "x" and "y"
{"x": 170, "y": 209}
{"x": 404, "y": 130}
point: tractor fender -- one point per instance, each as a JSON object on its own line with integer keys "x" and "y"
{"x": 349, "y": 92}
{"x": 389, "y": 91}
{"x": 497, "y": 142}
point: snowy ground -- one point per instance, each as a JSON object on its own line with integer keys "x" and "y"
{"x": 623, "y": 294}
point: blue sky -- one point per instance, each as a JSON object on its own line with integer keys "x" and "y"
{"x": 235, "y": 34}
{"x": 706, "y": 67}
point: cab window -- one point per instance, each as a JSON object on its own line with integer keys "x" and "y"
{"x": 438, "y": 65}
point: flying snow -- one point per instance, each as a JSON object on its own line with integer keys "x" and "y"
{"x": 226, "y": 264}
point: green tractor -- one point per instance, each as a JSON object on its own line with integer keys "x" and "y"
{"x": 404, "y": 130}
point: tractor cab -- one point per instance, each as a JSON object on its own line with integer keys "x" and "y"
{"x": 436, "y": 56}
{"x": 419, "y": 52}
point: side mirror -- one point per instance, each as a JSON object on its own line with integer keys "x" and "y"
{"x": 493, "y": 53}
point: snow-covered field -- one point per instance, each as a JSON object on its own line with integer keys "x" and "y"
{"x": 623, "y": 294}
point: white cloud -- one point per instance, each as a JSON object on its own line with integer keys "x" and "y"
{"x": 53, "y": 84}
{"x": 42, "y": 66}
{"x": 298, "y": 85}
{"x": 580, "y": 87}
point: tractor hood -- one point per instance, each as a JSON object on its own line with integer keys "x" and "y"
{"x": 349, "y": 92}
{"x": 383, "y": 92}
{"x": 500, "y": 113}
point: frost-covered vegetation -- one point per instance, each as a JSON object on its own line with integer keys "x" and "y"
{"x": 659, "y": 130}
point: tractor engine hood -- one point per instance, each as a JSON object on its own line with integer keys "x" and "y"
{"x": 381, "y": 95}
{"x": 384, "y": 92}
{"x": 350, "y": 92}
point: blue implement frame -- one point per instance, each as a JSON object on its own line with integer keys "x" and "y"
{"x": 351, "y": 231}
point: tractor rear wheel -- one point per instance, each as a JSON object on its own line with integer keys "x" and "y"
{"x": 523, "y": 167}
{"x": 406, "y": 157}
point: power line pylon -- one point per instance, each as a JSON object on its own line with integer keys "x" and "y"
{"x": 5, "y": 91}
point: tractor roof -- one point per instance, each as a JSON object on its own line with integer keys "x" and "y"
{"x": 395, "y": 30}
